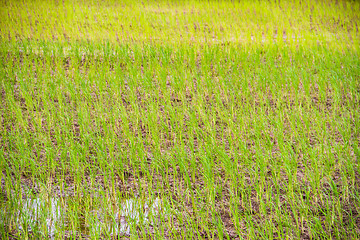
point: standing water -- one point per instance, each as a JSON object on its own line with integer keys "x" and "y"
{"x": 48, "y": 217}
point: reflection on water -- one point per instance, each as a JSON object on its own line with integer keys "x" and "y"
{"x": 132, "y": 213}
{"x": 37, "y": 214}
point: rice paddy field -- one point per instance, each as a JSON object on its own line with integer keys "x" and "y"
{"x": 179, "y": 119}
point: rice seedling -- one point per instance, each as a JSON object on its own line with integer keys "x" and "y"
{"x": 179, "y": 119}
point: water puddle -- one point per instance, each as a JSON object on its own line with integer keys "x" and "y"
{"x": 37, "y": 212}
{"x": 132, "y": 213}
{"x": 49, "y": 216}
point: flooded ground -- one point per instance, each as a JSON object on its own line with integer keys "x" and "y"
{"x": 47, "y": 216}
{"x": 38, "y": 212}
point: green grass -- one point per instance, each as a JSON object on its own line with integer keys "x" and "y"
{"x": 245, "y": 126}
